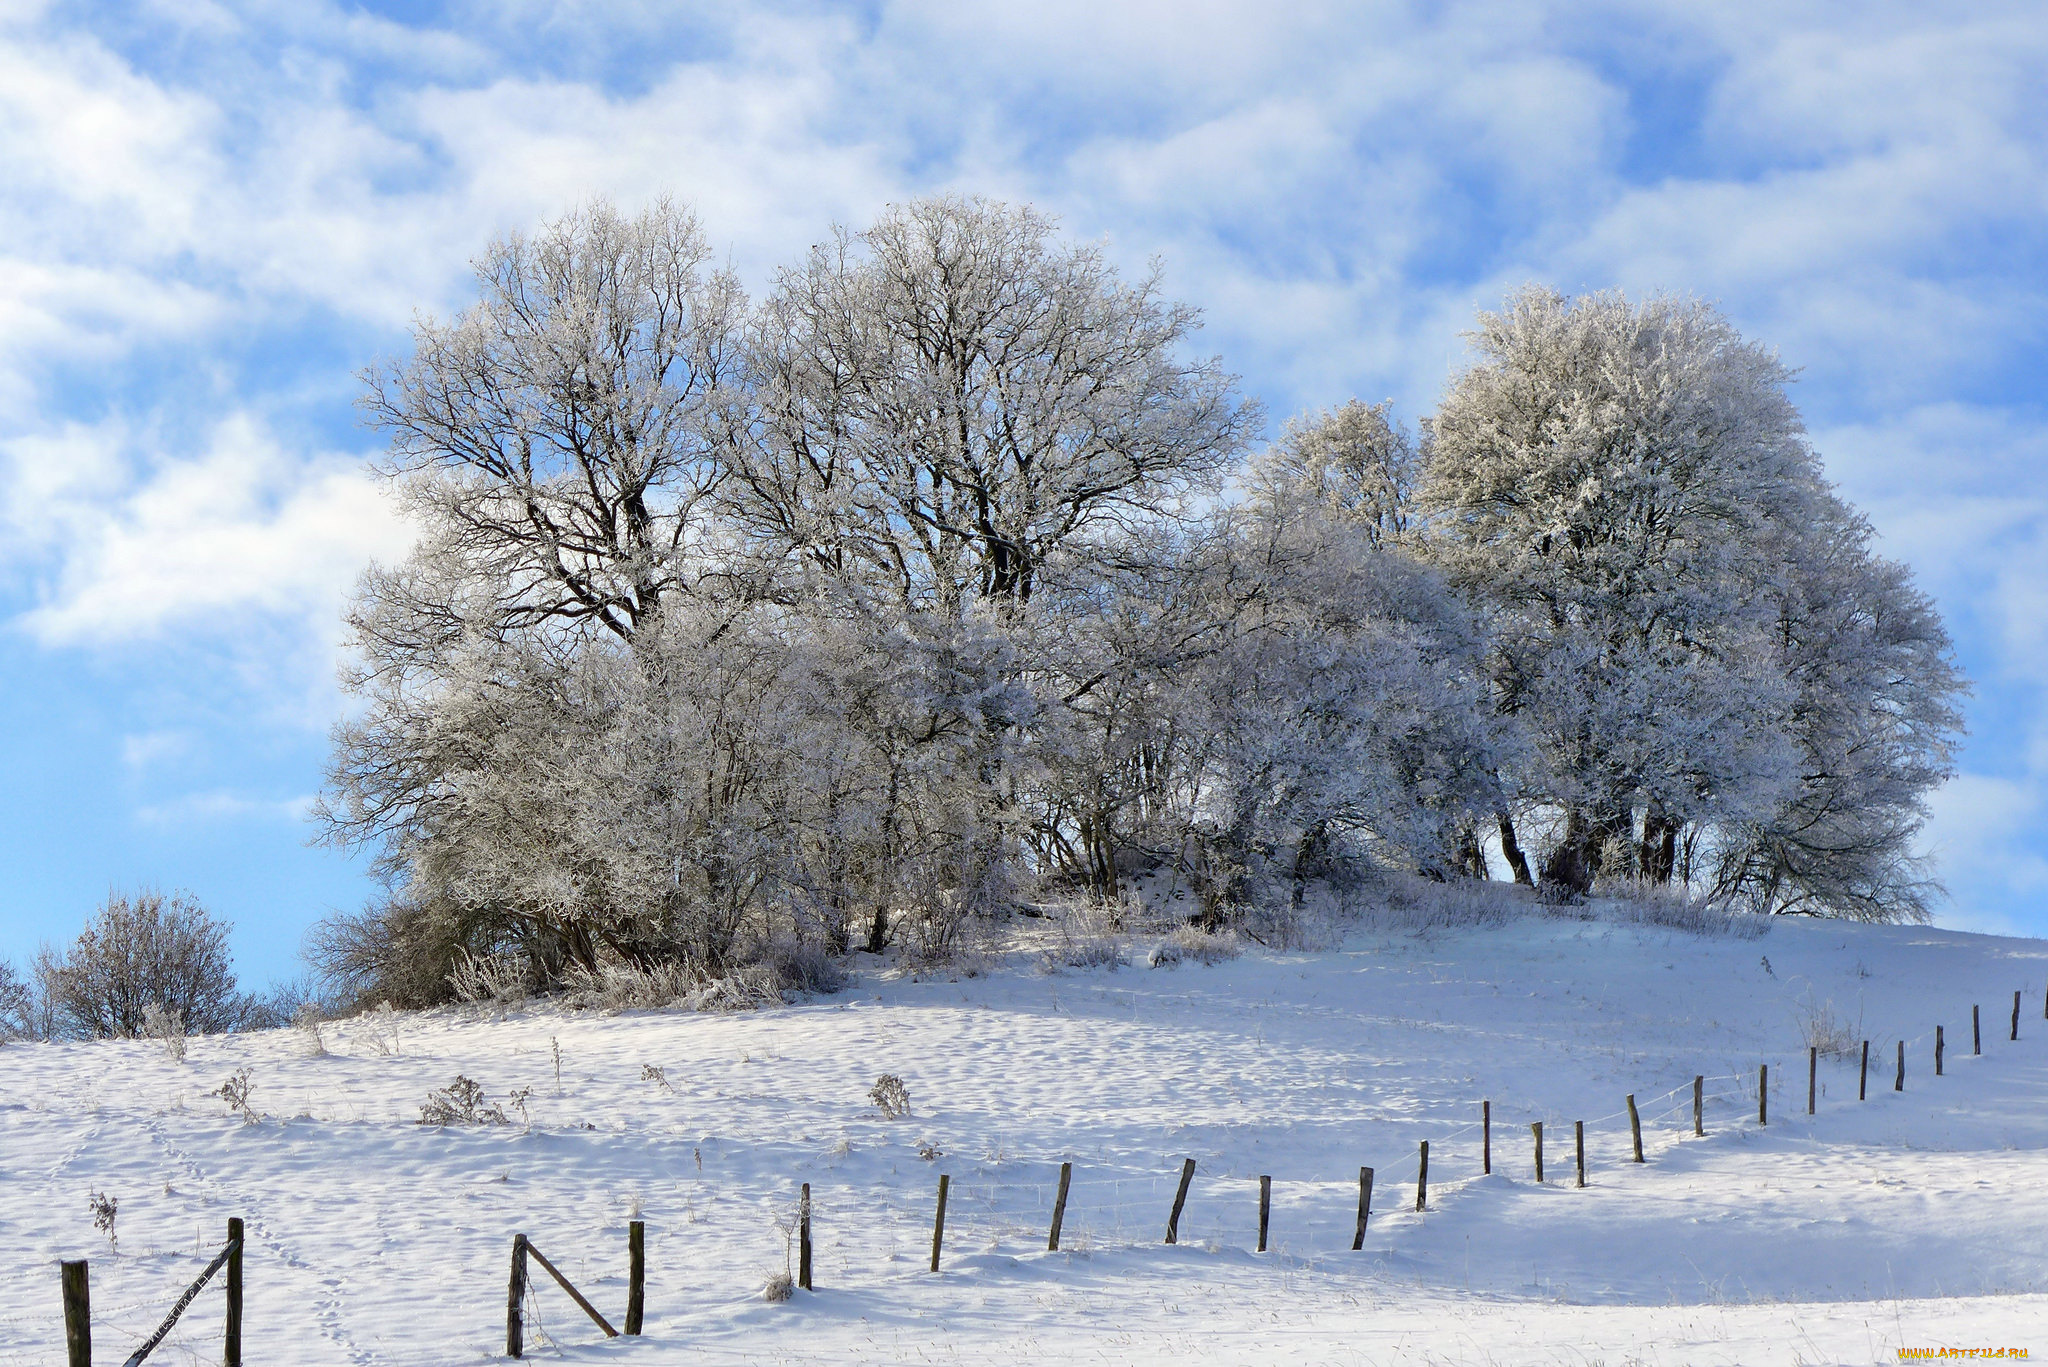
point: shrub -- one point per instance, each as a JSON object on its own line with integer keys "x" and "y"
{"x": 137, "y": 952}
{"x": 236, "y": 1092}
{"x": 17, "y": 1006}
{"x": 402, "y": 951}
{"x": 166, "y": 1025}
{"x": 1089, "y": 938}
{"x": 306, "y": 1020}
{"x": 1674, "y": 908}
{"x": 104, "y": 1208}
{"x": 1191, "y": 944}
{"x": 890, "y": 1096}
{"x": 799, "y": 965}
{"x": 491, "y": 979}
{"x": 780, "y": 1286}
{"x": 744, "y": 989}
{"x": 1820, "y": 1028}
{"x": 461, "y": 1102}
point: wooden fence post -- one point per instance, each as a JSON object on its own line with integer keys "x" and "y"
{"x": 1579, "y": 1143}
{"x": 1635, "y": 1126}
{"x": 1863, "y": 1075}
{"x": 1699, "y": 1105}
{"x": 1059, "y": 1208}
{"x": 1763, "y": 1094}
{"x": 1364, "y": 1207}
{"x": 1265, "y": 1208}
{"x": 939, "y": 1222}
{"x": 1486, "y": 1136}
{"x": 2015, "y": 1016}
{"x": 1422, "y": 1178}
{"x": 77, "y": 1314}
{"x": 803, "y": 1243}
{"x": 1899, "y": 1082}
{"x": 1976, "y": 1033}
{"x": 636, "y": 1265}
{"x": 515, "y": 1301}
{"x": 1937, "y": 1051}
{"x": 1537, "y": 1129}
{"x": 231, "y": 1347}
{"x": 1180, "y": 1199}
{"x": 1812, "y": 1075}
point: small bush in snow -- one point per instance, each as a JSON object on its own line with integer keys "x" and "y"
{"x": 490, "y": 979}
{"x": 657, "y": 1075}
{"x": 1673, "y": 908}
{"x": 167, "y": 1027}
{"x": 890, "y": 1096}
{"x": 307, "y": 1022}
{"x": 746, "y": 989}
{"x": 236, "y": 1092}
{"x": 1090, "y": 937}
{"x": 779, "y": 1287}
{"x": 1405, "y": 902}
{"x": 104, "y": 1208}
{"x": 461, "y": 1102}
{"x": 624, "y": 986}
{"x": 1820, "y": 1028}
{"x": 138, "y": 951}
{"x": 1192, "y": 944}
{"x": 799, "y": 966}
{"x": 929, "y": 1152}
{"x": 380, "y": 1028}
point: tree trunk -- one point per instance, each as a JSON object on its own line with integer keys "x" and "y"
{"x": 1309, "y": 854}
{"x": 1657, "y": 854}
{"x": 1512, "y": 848}
{"x": 1567, "y": 869}
{"x": 1471, "y": 856}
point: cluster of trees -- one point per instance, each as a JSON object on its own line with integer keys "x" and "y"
{"x": 946, "y": 578}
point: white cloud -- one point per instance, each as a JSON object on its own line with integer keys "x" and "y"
{"x": 145, "y": 749}
{"x": 221, "y": 805}
{"x": 191, "y": 544}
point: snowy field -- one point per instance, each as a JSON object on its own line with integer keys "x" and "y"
{"x": 1910, "y": 1220}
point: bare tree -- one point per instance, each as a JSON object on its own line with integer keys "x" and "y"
{"x": 139, "y": 952}
{"x": 945, "y": 400}
{"x": 555, "y": 440}
{"x": 18, "y": 1014}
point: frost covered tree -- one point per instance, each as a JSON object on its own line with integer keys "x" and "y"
{"x": 736, "y": 634}
{"x": 708, "y": 636}
{"x": 555, "y": 445}
{"x": 554, "y": 441}
{"x": 945, "y": 400}
{"x": 948, "y": 411}
{"x": 1353, "y": 462}
{"x": 1875, "y": 720}
{"x": 1625, "y": 488}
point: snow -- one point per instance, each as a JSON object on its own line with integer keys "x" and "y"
{"x": 1912, "y": 1219}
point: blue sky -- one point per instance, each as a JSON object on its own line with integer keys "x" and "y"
{"x": 212, "y": 215}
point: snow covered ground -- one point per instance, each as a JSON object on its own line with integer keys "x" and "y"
{"x": 1915, "y": 1219}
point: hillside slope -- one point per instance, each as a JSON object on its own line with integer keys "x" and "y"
{"x": 1912, "y": 1219}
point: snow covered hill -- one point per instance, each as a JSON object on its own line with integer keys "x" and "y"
{"x": 1914, "y": 1219}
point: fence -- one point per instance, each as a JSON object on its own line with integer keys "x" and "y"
{"x": 75, "y": 1278}
{"x": 1667, "y": 1107}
